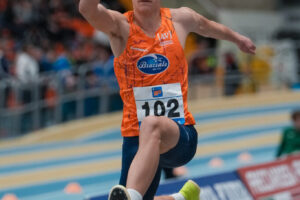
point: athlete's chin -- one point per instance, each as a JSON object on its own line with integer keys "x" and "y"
{"x": 145, "y": 7}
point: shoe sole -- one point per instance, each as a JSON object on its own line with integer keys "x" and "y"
{"x": 118, "y": 192}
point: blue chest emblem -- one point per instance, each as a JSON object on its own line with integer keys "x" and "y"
{"x": 153, "y": 64}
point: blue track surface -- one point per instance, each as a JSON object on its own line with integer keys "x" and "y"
{"x": 102, "y": 181}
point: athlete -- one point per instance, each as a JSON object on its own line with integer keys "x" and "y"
{"x": 152, "y": 73}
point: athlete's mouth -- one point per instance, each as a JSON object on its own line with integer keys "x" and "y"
{"x": 147, "y": 1}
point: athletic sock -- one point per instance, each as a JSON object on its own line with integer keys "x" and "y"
{"x": 178, "y": 196}
{"x": 134, "y": 195}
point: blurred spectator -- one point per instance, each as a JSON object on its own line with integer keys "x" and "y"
{"x": 200, "y": 66}
{"x": 62, "y": 63}
{"x": 10, "y": 98}
{"x": 23, "y": 12}
{"x": 46, "y": 61}
{"x": 7, "y": 46}
{"x": 290, "y": 142}
{"x": 232, "y": 79}
{"x": 69, "y": 104}
{"x": 26, "y": 66}
{"x": 3, "y": 6}
{"x": 50, "y": 97}
{"x": 91, "y": 80}
{"x": 91, "y": 103}
{"x": 203, "y": 60}
{"x": 101, "y": 38}
{"x": 27, "y": 71}
{"x": 3, "y": 65}
{"x": 104, "y": 66}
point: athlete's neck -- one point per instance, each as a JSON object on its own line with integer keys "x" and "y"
{"x": 148, "y": 22}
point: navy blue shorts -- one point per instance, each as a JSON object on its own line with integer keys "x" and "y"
{"x": 180, "y": 155}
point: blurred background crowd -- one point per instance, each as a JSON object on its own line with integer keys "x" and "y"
{"x": 49, "y": 35}
{"x": 47, "y": 42}
{"x": 53, "y": 63}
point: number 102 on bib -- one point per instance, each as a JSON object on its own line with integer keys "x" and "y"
{"x": 161, "y": 100}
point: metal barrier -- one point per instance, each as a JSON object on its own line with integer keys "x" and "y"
{"x": 48, "y": 101}
{"x": 53, "y": 99}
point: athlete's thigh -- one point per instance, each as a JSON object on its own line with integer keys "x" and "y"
{"x": 169, "y": 134}
{"x": 184, "y": 150}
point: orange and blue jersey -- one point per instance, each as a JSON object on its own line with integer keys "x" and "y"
{"x": 153, "y": 76}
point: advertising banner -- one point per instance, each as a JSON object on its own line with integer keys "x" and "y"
{"x": 274, "y": 180}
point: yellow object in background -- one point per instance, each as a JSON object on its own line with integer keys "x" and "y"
{"x": 127, "y": 4}
{"x": 260, "y": 71}
{"x": 261, "y": 64}
{"x": 190, "y": 45}
{"x": 257, "y": 69}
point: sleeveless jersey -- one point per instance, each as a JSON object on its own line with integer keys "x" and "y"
{"x": 153, "y": 76}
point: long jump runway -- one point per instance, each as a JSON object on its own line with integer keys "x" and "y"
{"x": 88, "y": 152}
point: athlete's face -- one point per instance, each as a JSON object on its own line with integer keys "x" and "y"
{"x": 145, "y": 6}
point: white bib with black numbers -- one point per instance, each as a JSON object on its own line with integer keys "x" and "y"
{"x": 161, "y": 100}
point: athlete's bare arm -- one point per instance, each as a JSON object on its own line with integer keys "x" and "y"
{"x": 187, "y": 20}
{"x": 113, "y": 23}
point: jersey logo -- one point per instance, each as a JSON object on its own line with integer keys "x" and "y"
{"x": 165, "y": 38}
{"x": 153, "y": 64}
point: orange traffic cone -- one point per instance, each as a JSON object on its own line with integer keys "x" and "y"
{"x": 73, "y": 188}
{"x": 216, "y": 162}
{"x": 245, "y": 157}
{"x": 10, "y": 197}
{"x": 180, "y": 171}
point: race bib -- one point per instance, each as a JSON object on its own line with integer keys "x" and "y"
{"x": 161, "y": 100}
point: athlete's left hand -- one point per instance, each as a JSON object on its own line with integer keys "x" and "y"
{"x": 246, "y": 45}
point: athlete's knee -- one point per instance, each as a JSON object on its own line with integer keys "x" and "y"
{"x": 151, "y": 127}
{"x": 150, "y": 122}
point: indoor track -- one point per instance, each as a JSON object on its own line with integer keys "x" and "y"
{"x": 40, "y": 165}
